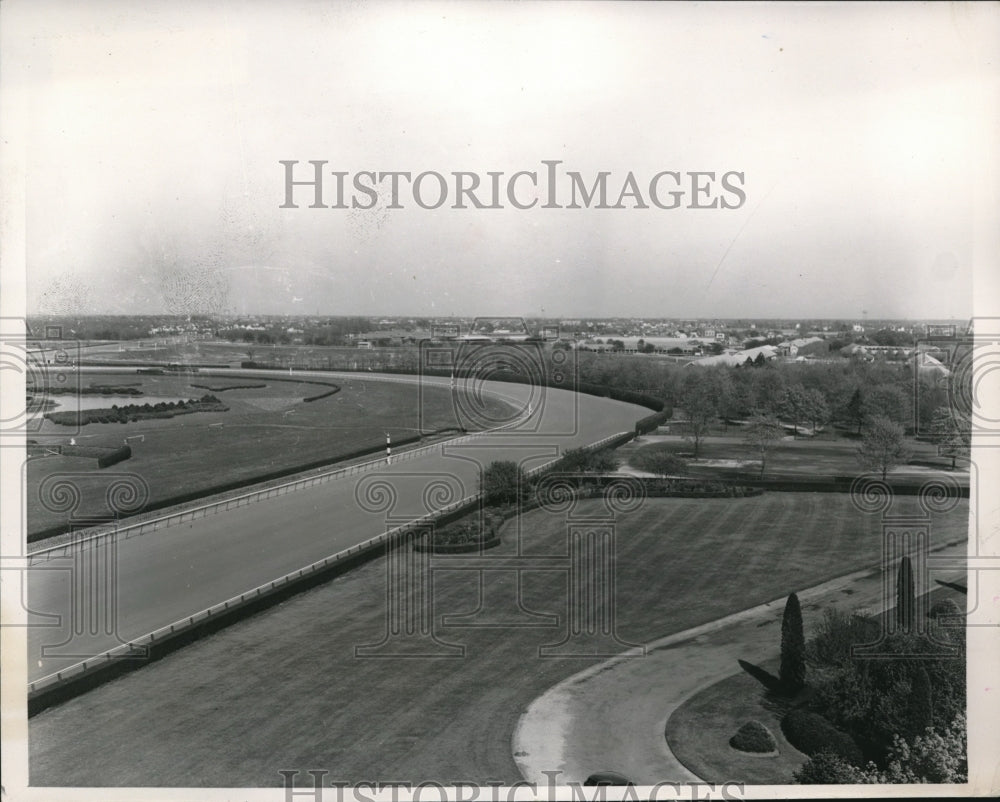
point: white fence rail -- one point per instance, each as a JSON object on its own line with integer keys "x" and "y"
{"x": 214, "y": 507}
{"x": 165, "y": 632}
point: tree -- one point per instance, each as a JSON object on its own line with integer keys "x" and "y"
{"x": 883, "y": 446}
{"x": 503, "y": 482}
{"x": 855, "y": 409}
{"x": 888, "y": 401}
{"x": 699, "y": 400}
{"x": 816, "y": 410}
{"x": 793, "y": 405}
{"x": 951, "y": 439}
{"x": 762, "y": 434}
{"x": 906, "y": 598}
{"x": 793, "y": 647}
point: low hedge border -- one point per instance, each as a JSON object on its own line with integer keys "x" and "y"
{"x": 457, "y": 548}
{"x": 321, "y": 395}
{"x": 229, "y": 387}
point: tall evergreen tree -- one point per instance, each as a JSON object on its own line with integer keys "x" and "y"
{"x": 855, "y": 409}
{"x": 906, "y": 599}
{"x": 793, "y": 647}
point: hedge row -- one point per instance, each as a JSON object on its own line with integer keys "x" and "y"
{"x": 95, "y": 389}
{"x": 902, "y": 486}
{"x": 105, "y": 455}
{"x": 652, "y": 422}
{"x": 117, "y": 455}
{"x": 229, "y": 387}
{"x": 322, "y": 395}
{"x": 669, "y": 487}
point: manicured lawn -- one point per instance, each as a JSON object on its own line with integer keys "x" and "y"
{"x": 789, "y": 457}
{"x": 266, "y": 429}
{"x": 285, "y": 689}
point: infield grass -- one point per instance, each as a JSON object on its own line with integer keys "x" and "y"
{"x": 266, "y": 429}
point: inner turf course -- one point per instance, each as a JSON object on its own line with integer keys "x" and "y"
{"x": 284, "y": 689}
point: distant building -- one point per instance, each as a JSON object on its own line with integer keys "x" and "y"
{"x": 738, "y": 358}
{"x": 804, "y": 346}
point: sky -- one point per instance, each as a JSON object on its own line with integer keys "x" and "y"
{"x": 153, "y": 135}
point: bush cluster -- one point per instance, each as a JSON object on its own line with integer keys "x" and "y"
{"x": 468, "y": 530}
{"x": 876, "y": 700}
{"x": 136, "y": 412}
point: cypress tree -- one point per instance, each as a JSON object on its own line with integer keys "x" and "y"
{"x": 793, "y": 647}
{"x": 906, "y": 599}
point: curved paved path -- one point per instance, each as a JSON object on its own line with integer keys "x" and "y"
{"x": 172, "y": 573}
{"x": 613, "y": 716}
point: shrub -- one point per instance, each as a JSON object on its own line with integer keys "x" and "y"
{"x": 810, "y": 733}
{"x": 660, "y": 462}
{"x": 944, "y": 607}
{"x": 754, "y": 737}
{"x": 503, "y": 482}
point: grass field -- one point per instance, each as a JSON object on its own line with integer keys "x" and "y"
{"x": 266, "y": 429}
{"x": 284, "y": 689}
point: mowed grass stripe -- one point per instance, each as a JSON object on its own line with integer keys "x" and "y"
{"x": 284, "y": 690}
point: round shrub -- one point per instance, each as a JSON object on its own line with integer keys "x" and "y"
{"x": 754, "y": 737}
{"x": 945, "y": 607}
{"x": 810, "y": 733}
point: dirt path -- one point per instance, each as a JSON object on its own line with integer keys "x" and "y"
{"x": 612, "y": 716}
